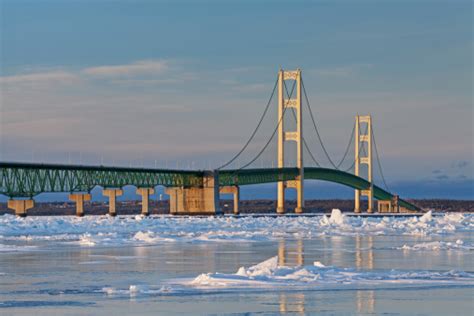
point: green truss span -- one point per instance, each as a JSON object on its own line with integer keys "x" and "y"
{"x": 255, "y": 176}
{"x": 28, "y": 180}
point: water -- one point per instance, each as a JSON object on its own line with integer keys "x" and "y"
{"x": 366, "y": 273}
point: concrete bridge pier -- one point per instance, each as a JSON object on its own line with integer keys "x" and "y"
{"x": 391, "y": 206}
{"x": 196, "y": 200}
{"x": 145, "y": 193}
{"x": 20, "y": 206}
{"x": 79, "y": 198}
{"x": 235, "y": 190}
{"x": 357, "y": 201}
{"x": 112, "y": 194}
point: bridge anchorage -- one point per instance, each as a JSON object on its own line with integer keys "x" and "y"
{"x": 198, "y": 192}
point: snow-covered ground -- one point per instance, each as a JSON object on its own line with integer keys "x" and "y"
{"x": 93, "y": 231}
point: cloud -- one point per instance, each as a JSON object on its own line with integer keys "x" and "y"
{"x": 442, "y": 177}
{"x": 140, "y": 70}
{"x": 437, "y": 171}
{"x": 460, "y": 164}
{"x": 49, "y": 76}
{"x": 143, "y": 67}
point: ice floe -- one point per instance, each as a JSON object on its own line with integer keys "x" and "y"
{"x": 90, "y": 231}
{"x": 440, "y": 245}
{"x": 15, "y": 248}
{"x": 134, "y": 290}
{"x": 269, "y": 274}
{"x": 151, "y": 237}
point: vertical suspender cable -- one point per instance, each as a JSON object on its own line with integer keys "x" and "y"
{"x": 378, "y": 160}
{"x": 304, "y": 140}
{"x": 255, "y": 130}
{"x": 273, "y": 134}
{"x": 336, "y": 166}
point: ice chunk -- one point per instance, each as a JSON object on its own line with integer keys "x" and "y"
{"x": 263, "y": 268}
{"x": 242, "y": 272}
{"x": 427, "y": 217}
{"x": 150, "y": 237}
{"x": 324, "y": 221}
{"x": 337, "y": 217}
{"x": 86, "y": 240}
{"x": 136, "y": 289}
{"x": 454, "y": 217}
{"x": 112, "y": 291}
{"x": 145, "y": 236}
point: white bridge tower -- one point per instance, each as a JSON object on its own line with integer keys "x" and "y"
{"x": 296, "y": 136}
{"x": 366, "y": 159}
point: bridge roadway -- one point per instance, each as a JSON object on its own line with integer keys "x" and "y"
{"x": 19, "y": 180}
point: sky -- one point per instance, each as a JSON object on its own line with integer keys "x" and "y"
{"x": 183, "y": 83}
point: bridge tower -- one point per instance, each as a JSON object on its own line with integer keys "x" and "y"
{"x": 366, "y": 159}
{"x": 296, "y": 136}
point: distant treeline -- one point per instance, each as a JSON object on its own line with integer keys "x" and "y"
{"x": 246, "y": 206}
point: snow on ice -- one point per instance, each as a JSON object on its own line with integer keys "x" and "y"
{"x": 269, "y": 274}
{"x": 439, "y": 245}
{"x": 90, "y": 231}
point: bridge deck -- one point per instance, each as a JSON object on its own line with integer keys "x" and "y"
{"x": 28, "y": 179}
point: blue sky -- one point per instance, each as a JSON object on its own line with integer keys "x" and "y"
{"x": 183, "y": 83}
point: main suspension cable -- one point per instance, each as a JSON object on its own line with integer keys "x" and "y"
{"x": 378, "y": 159}
{"x": 347, "y": 147}
{"x": 314, "y": 124}
{"x": 338, "y": 165}
{"x": 255, "y": 130}
{"x": 361, "y": 149}
{"x": 271, "y": 138}
{"x": 304, "y": 140}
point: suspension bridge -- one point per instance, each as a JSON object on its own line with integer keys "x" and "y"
{"x": 198, "y": 191}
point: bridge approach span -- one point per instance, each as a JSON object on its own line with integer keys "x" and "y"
{"x": 29, "y": 179}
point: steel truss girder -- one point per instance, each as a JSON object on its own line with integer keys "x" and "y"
{"x": 28, "y": 180}
{"x": 254, "y": 176}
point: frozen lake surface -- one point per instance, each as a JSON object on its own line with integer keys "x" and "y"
{"x": 237, "y": 265}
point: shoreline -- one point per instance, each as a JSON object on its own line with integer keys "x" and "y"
{"x": 247, "y": 207}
